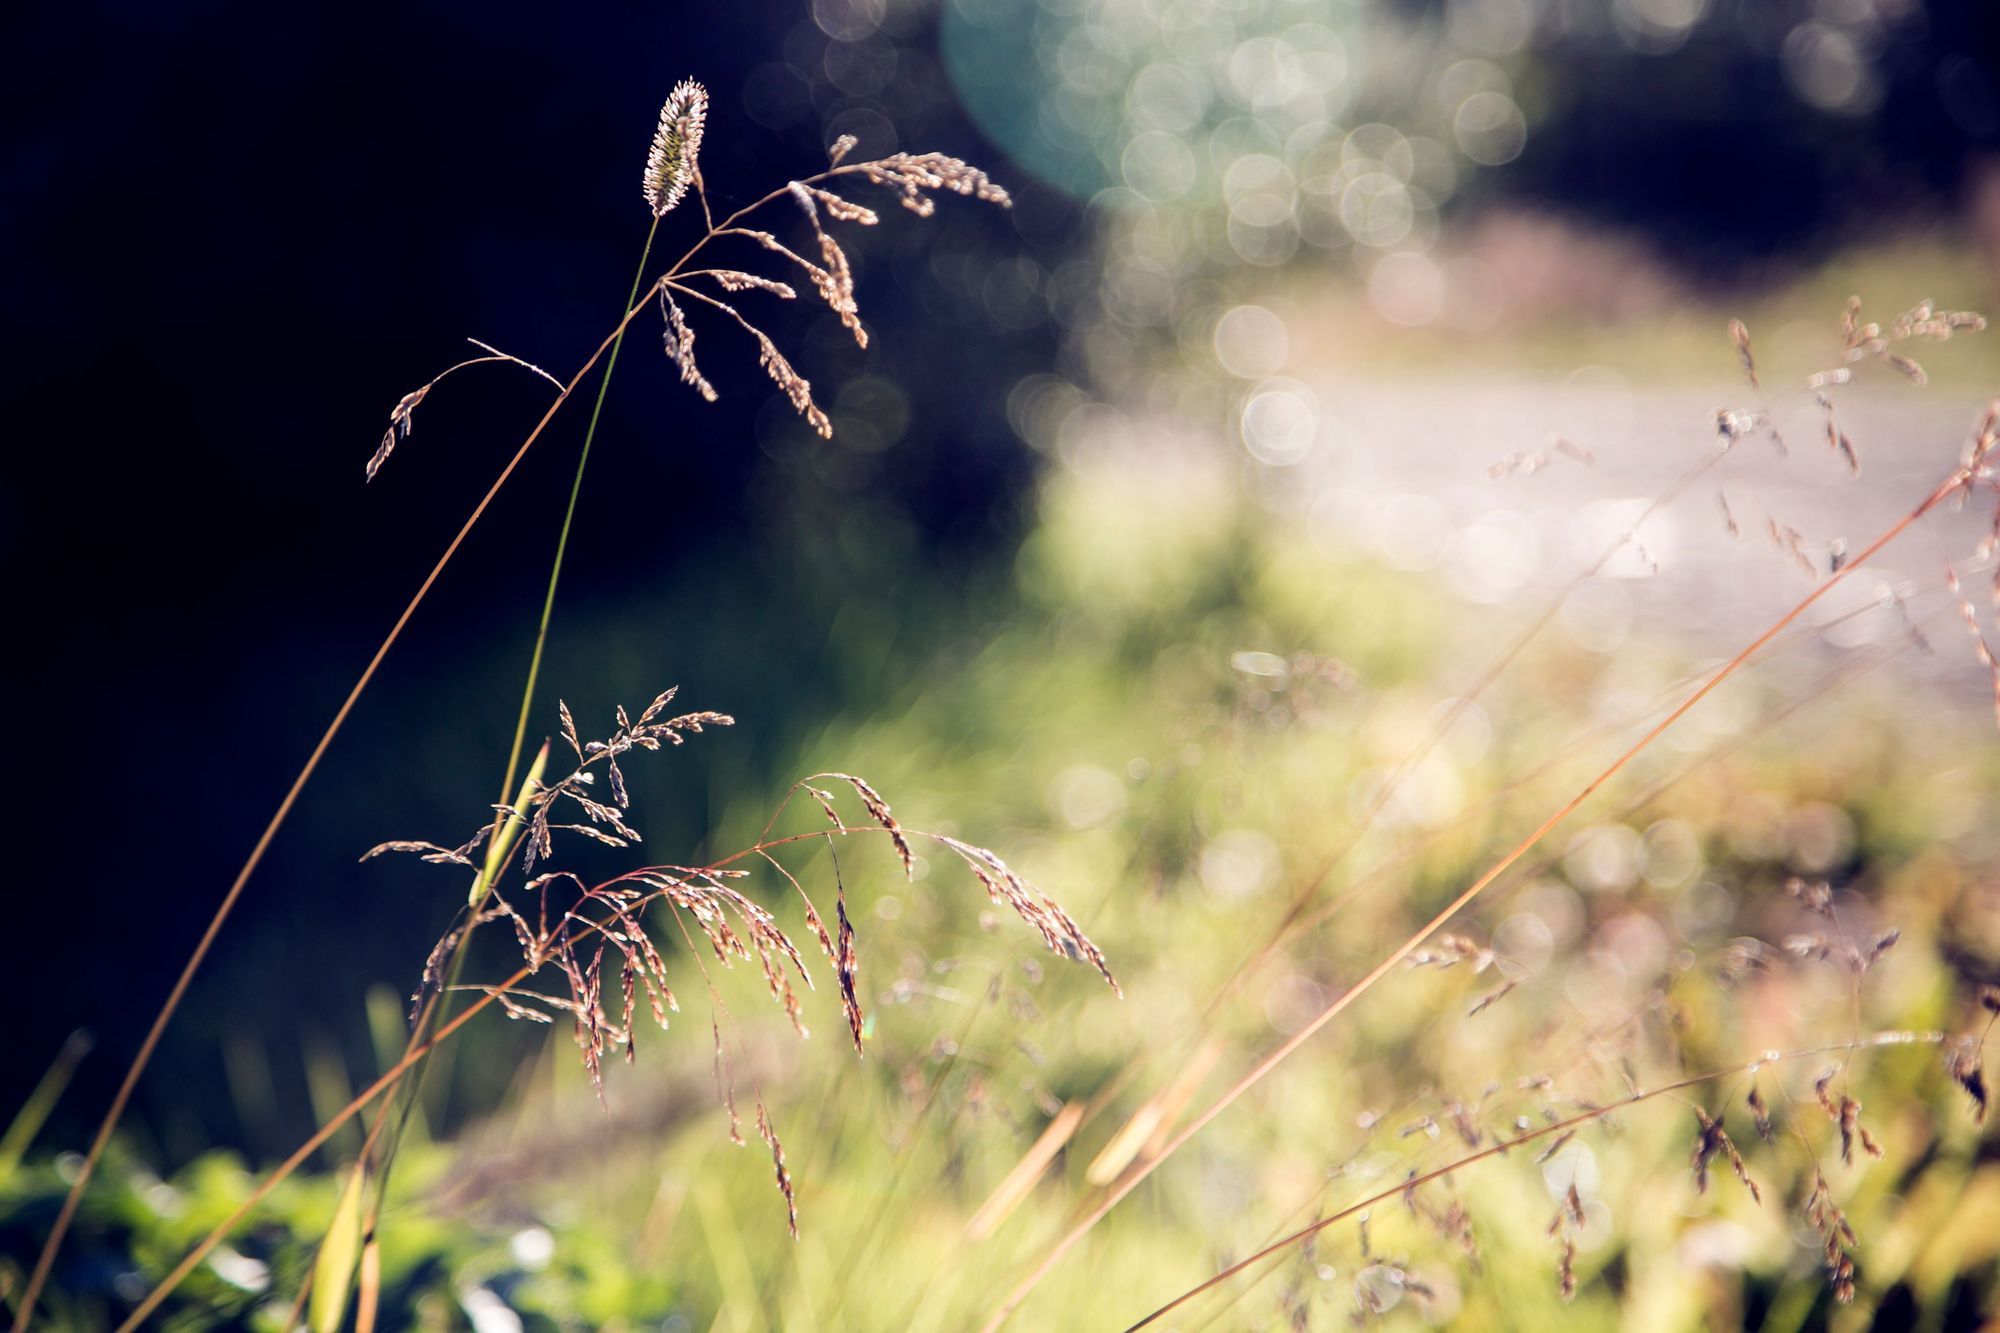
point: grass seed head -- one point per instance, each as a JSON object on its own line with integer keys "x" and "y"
{"x": 672, "y": 163}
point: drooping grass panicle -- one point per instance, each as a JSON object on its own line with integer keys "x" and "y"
{"x": 582, "y": 931}
{"x": 796, "y": 387}
{"x": 679, "y": 337}
{"x": 402, "y": 417}
{"x": 916, "y": 176}
{"x": 835, "y": 281}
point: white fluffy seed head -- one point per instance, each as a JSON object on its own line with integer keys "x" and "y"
{"x": 671, "y": 162}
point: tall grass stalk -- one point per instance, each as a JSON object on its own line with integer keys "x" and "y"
{"x": 913, "y": 178}
{"x": 116, "y": 1112}
{"x": 670, "y": 170}
{"x": 436, "y": 1007}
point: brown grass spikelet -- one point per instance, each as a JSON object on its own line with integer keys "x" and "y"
{"x": 796, "y": 387}
{"x": 878, "y": 810}
{"x": 1711, "y": 1141}
{"x": 1851, "y": 1129}
{"x": 399, "y": 427}
{"x": 848, "y": 967}
{"x": 1965, "y": 1062}
{"x": 1915, "y": 373}
{"x": 845, "y": 210}
{"x": 1556, "y": 1145}
{"x": 672, "y": 162}
{"x": 1761, "y": 1114}
{"x": 770, "y": 1137}
{"x": 1707, "y": 1143}
{"x": 838, "y": 150}
{"x": 679, "y": 340}
{"x": 1739, "y": 333}
{"x": 835, "y": 281}
{"x": 1837, "y": 1238}
{"x": 1838, "y": 440}
{"x": 915, "y": 175}
{"x": 843, "y": 955}
{"x": 1925, "y": 320}
{"x": 432, "y": 852}
{"x": 736, "y": 280}
{"x": 1490, "y": 997}
{"x": 1059, "y": 932}
{"x": 1569, "y": 1218}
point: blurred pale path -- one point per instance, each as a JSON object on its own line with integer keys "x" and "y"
{"x": 1403, "y": 470}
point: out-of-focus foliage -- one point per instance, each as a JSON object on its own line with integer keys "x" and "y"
{"x": 1282, "y": 281}
{"x": 1173, "y": 713}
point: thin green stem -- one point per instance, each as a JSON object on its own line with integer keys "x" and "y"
{"x": 437, "y": 1009}
{"x": 562, "y": 540}
{"x": 46, "y": 1260}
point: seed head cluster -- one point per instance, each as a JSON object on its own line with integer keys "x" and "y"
{"x": 672, "y": 163}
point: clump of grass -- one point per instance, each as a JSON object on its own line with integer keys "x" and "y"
{"x": 566, "y": 925}
{"x": 671, "y": 174}
{"x": 582, "y": 932}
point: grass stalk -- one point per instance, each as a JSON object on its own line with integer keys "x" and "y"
{"x": 150, "y": 1044}
{"x": 436, "y": 1008}
{"x": 122, "y": 1098}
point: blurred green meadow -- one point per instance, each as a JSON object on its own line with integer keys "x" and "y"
{"x": 1314, "y": 496}
{"x": 1175, "y": 709}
